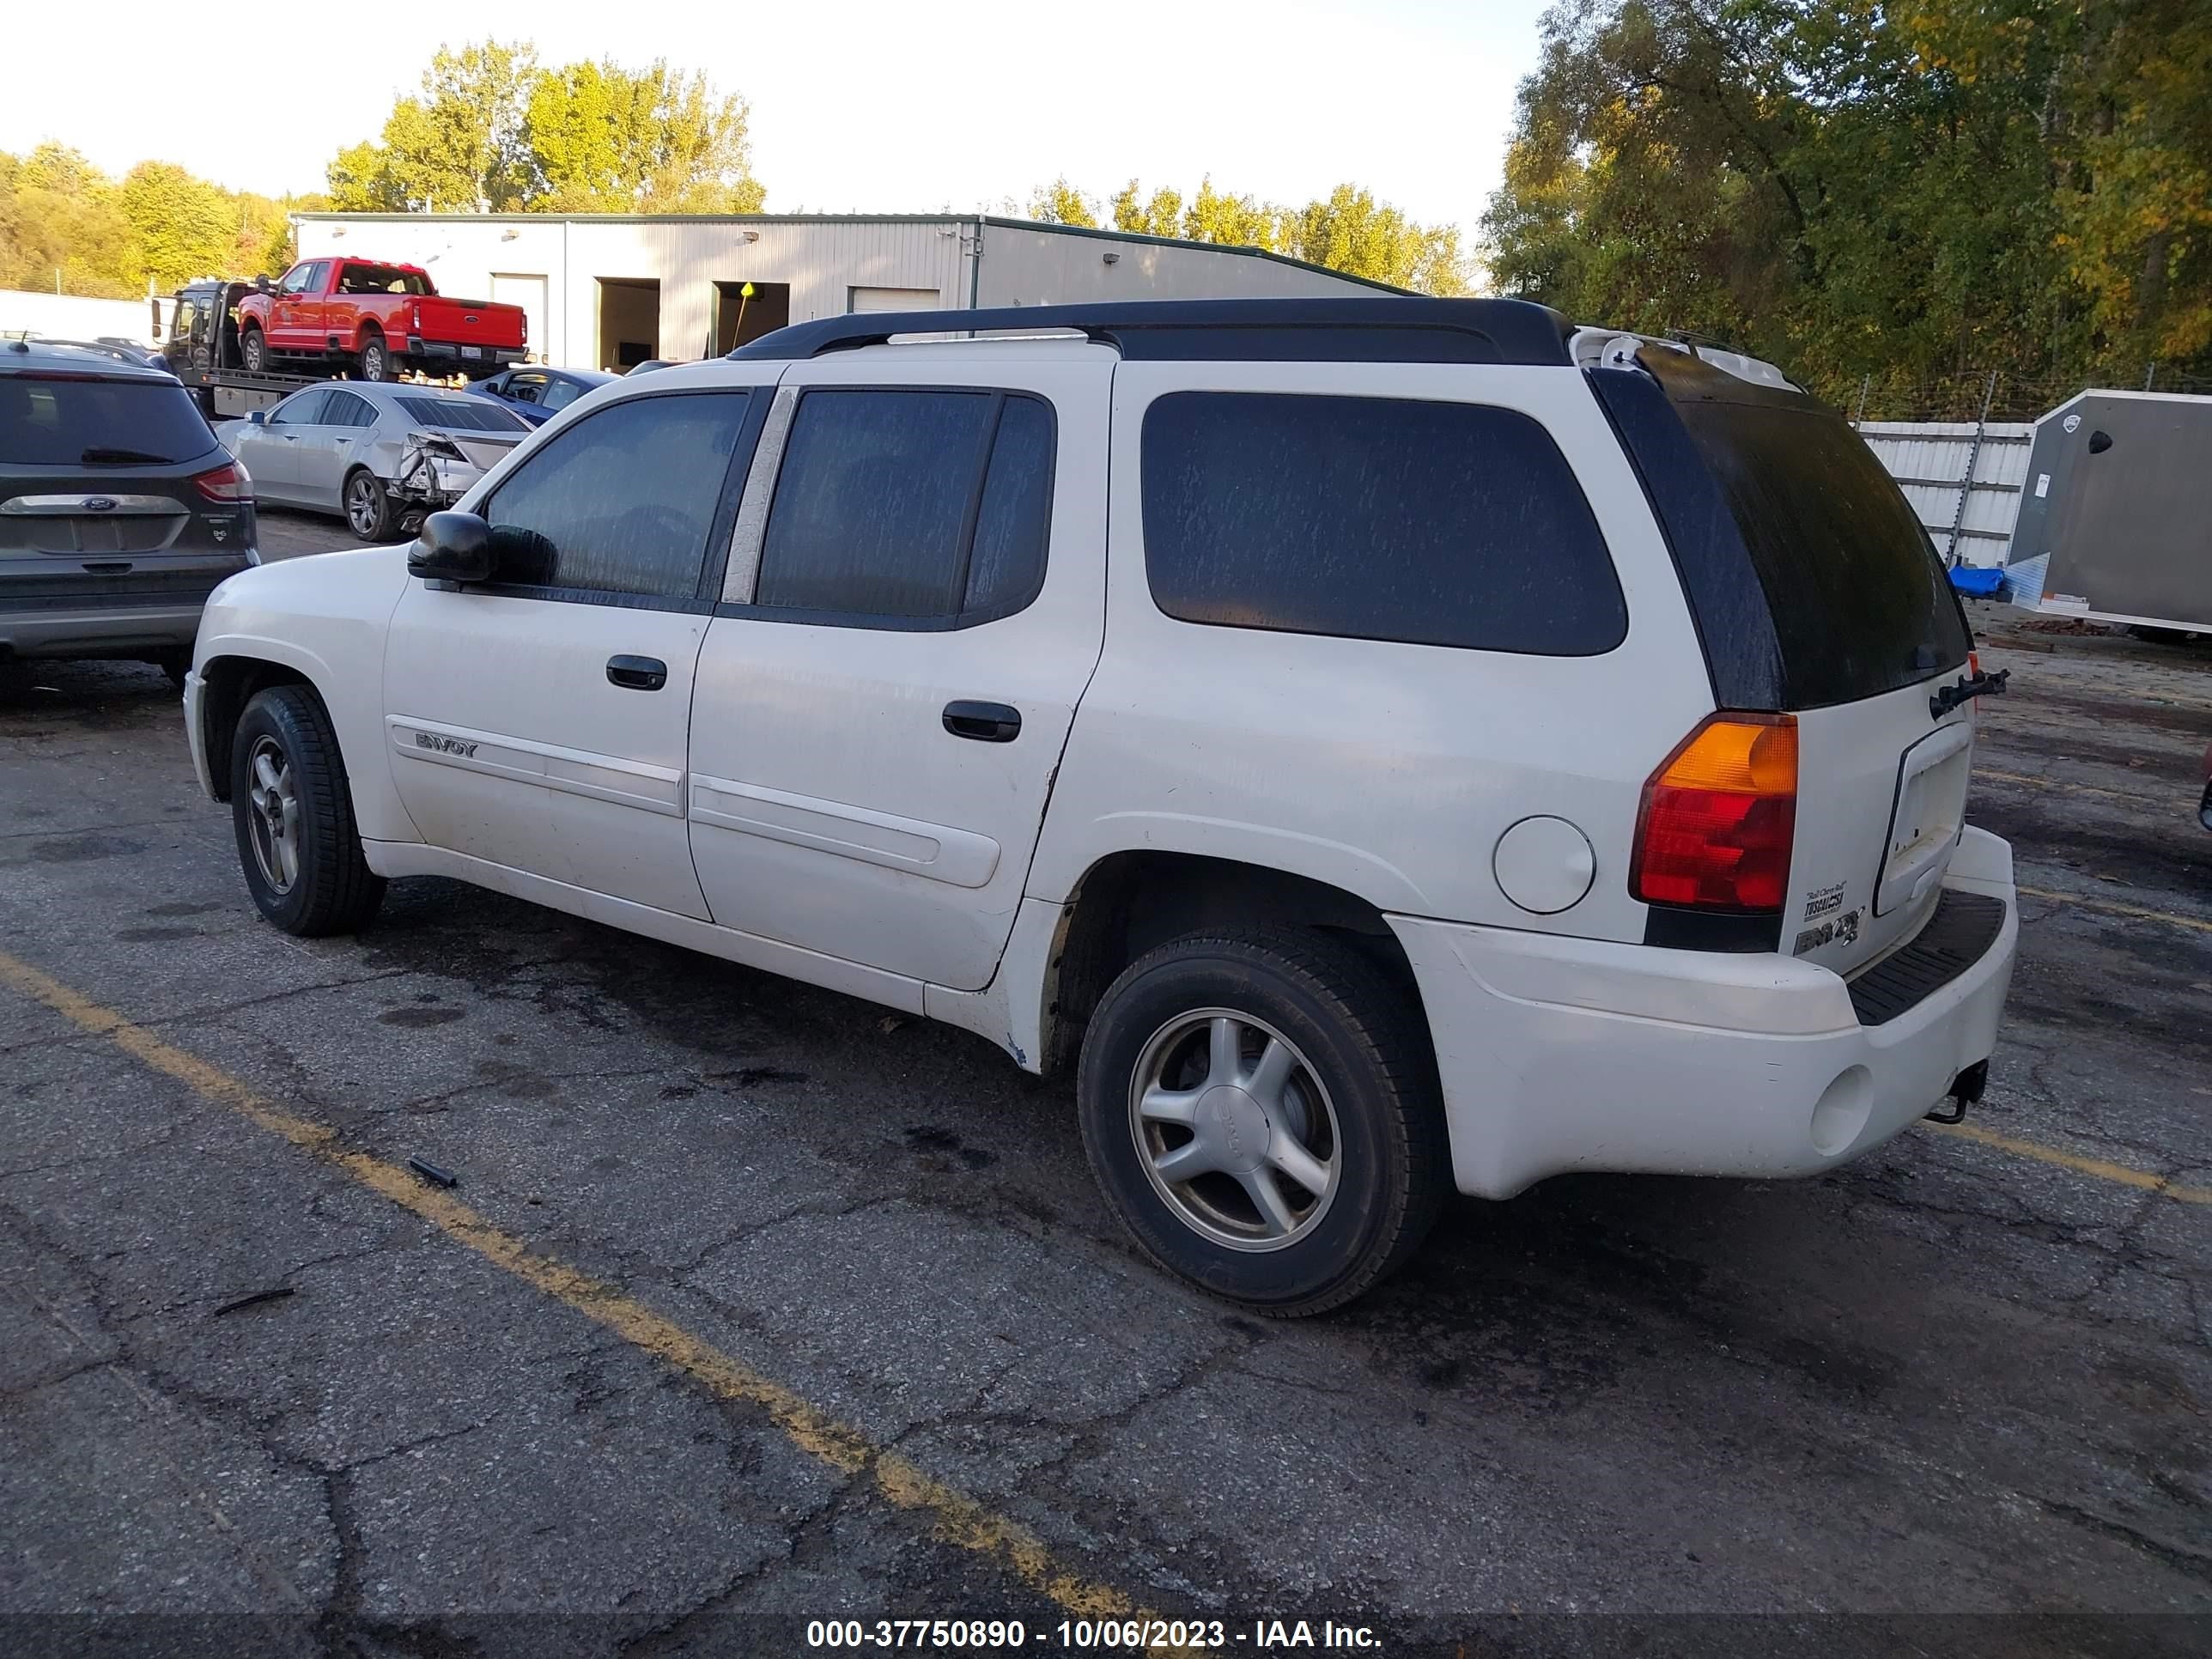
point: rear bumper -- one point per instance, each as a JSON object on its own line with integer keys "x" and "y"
{"x": 444, "y": 351}
{"x": 98, "y": 630}
{"x": 1561, "y": 1054}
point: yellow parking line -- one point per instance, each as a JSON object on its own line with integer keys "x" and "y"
{"x": 2107, "y": 905}
{"x": 959, "y": 1518}
{"x": 2103, "y": 1168}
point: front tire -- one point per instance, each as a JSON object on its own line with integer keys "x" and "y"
{"x": 293, "y": 812}
{"x": 375, "y": 359}
{"x": 1261, "y": 1110}
{"x": 252, "y": 350}
{"x": 368, "y": 508}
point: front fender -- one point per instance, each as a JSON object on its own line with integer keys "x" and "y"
{"x": 324, "y": 617}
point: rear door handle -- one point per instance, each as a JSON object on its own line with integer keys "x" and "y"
{"x": 637, "y": 673}
{"x": 986, "y": 722}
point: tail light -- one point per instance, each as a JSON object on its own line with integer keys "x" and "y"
{"x": 228, "y": 484}
{"x": 1719, "y": 817}
{"x": 415, "y": 316}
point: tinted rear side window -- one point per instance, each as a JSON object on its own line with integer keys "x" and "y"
{"x": 920, "y": 506}
{"x": 70, "y": 422}
{"x": 1374, "y": 518}
{"x": 1860, "y": 601}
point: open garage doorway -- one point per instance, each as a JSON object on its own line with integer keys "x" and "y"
{"x": 630, "y": 322}
{"x": 741, "y": 318}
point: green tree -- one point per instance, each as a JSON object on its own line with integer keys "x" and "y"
{"x": 1061, "y": 203}
{"x": 185, "y": 226}
{"x": 491, "y": 131}
{"x": 1159, "y": 214}
{"x": 456, "y": 146}
{"x": 1864, "y": 191}
{"x": 59, "y": 215}
{"x": 1348, "y": 230}
{"x": 61, "y": 225}
{"x": 606, "y": 139}
{"x": 2135, "y": 151}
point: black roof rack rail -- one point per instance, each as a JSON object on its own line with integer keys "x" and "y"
{"x": 1358, "y": 330}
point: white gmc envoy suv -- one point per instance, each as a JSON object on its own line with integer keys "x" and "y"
{"x": 1386, "y": 745}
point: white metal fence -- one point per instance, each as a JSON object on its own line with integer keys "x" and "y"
{"x": 1963, "y": 478}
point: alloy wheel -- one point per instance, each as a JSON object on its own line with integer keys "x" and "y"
{"x": 276, "y": 815}
{"x": 1235, "y": 1129}
{"x": 363, "y": 510}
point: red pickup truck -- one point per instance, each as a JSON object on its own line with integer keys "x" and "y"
{"x": 384, "y": 319}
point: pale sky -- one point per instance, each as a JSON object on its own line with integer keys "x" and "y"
{"x": 858, "y": 107}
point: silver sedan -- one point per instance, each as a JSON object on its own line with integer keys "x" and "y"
{"x": 381, "y": 455}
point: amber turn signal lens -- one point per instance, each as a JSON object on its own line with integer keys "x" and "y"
{"x": 1720, "y": 817}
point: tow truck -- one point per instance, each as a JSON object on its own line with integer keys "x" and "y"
{"x": 203, "y": 348}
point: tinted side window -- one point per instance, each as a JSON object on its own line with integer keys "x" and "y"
{"x": 345, "y": 409}
{"x": 910, "y": 505}
{"x": 622, "y": 501}
{"x": 1014, "y": 520}
{"x": 304, "y": 409}
{"x": 1374, "y": 518}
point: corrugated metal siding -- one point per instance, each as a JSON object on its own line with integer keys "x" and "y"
{"x": 820, "y": 260}
{"x": 1034, "y": 265}
{"x": 1928, "y": 458}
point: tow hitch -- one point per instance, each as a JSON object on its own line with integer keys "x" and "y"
{"x": 1966, "y": 1088}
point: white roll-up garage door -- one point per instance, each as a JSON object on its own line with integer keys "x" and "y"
{"x": 893, "y": 298}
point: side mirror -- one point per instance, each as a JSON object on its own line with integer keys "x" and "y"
{"x": 261, "y": 285}
{"x": 256, "y": 417}
{"x": 453, "y": 547}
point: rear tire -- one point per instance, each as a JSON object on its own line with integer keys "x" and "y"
{"x": 368, "y": 505}
{"x": 375, "y": 359}
{"x": 293, "y": 812}
{"x": 252, "y": 350}
{"x": 1304, "y": 1191}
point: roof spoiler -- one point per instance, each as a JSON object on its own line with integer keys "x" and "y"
{"x": 1612, "y": 348}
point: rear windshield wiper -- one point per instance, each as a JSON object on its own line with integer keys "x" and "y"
{"x": 1983, "y": 684}
{"x": 97, "y": 454}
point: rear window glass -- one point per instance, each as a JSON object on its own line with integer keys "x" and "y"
{"x": 46, "y": 422}
{"x": 462, "y": 414}
{"x": 1860, "y": 603}
{"x": 1374, "y": 518}
{"x": 380, "y": 279}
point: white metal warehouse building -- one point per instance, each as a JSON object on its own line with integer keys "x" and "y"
{"x": 608, "y": 291}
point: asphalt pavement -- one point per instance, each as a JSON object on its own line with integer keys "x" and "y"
{"x": 752, "y": 1304}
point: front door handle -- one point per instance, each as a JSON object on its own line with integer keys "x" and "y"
{"x": 637, "y": 673}
{"x": 986, "y": 722}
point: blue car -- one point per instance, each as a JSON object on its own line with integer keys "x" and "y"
{"x": 538, "y": 394}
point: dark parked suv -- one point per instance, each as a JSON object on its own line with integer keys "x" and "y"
{"x": 118, "y": 510}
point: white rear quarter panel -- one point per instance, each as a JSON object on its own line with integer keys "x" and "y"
{"x": 1390, "y": 771}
